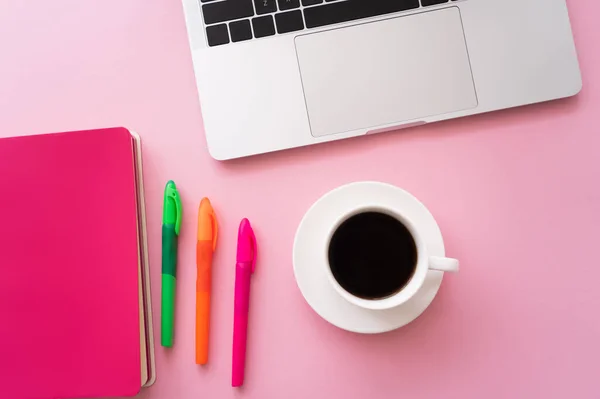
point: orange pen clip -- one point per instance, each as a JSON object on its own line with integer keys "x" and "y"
{"x": 207, "y": 242}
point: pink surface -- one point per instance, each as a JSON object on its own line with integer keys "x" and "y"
{"x": 69, "y": 296}
{"x": 516, "y": 193}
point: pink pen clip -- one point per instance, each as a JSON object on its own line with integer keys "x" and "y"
{"x": 246, "y": 263}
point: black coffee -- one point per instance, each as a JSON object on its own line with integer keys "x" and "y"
{"x": 372, "y": 255}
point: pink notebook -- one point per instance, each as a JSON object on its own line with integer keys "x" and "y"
{"x": 75, "y": 318}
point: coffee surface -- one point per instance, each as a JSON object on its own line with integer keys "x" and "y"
{"x": 372, "y": 255}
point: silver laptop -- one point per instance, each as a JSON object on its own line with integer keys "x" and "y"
{"x": 277, "y": 74}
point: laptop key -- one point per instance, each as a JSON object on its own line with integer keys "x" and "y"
{"x": 227, "y": 10}
{"x": 289, "y": 21}
{"x": 288, "y": 4}
{"x": 265, "y": 6}
{"x": 426, "y": 3}
{"x": 263, "y": 26}
{"x": 217, "y": 35}
{"x": 311, "y": 2}
{"x": 350, "y": 10}
{"x": 240, "y": 30}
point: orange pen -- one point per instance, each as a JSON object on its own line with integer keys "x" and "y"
{"x": 207, "y": 242}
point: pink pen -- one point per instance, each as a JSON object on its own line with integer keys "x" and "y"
{"x": 246, "y": 262}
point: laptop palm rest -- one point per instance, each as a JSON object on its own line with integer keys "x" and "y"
{"x": 386, "y": 72}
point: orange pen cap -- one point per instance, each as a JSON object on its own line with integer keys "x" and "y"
{"x": 207, "y": 223}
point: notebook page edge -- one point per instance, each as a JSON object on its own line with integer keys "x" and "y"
{"x": 151, "y": 362}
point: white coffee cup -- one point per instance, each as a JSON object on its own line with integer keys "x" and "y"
{"x": 424, "y": 263}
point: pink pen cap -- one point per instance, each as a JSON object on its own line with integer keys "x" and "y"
{"x": 246, "y": 247}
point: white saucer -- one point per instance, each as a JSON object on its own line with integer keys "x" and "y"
{"x": 310, "y": 257}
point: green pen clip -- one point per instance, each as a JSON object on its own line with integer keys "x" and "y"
{"x": 172, "y": 207}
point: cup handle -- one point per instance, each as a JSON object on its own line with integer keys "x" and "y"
{"x": 443, "y": 264}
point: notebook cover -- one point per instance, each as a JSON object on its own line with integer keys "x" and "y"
{"x": 69, "y": 304}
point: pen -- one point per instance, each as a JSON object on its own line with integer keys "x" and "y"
{"x": 207, "y": 242}
{"x": 246, "y": 263}
{"x": 170, "y": 231}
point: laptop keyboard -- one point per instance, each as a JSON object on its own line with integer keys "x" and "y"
{"x": 230, "y": 21}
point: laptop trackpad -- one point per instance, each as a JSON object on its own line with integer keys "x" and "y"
{"x": 385, "y": 72}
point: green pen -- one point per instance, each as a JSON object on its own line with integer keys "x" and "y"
{"x": 170, "y": 232}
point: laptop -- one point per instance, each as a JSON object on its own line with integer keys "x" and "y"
{"x": 278, "y": 74}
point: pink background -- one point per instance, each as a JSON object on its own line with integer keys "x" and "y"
{"x": 516, "y": 193}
